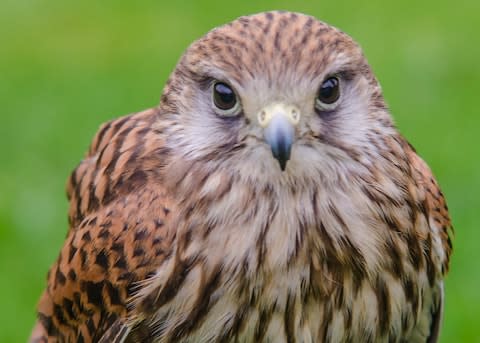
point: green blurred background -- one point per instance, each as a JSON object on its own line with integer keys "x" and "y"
{"x": 66, "y": 67}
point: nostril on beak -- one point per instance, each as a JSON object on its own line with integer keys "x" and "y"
{"x": 295, "y": 116}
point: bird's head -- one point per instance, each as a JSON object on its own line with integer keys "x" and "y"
{"x": 275, "y": 95}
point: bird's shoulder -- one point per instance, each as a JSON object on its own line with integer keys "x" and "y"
{"x": 119, "y": 219}
{"x": 125, "y": 155}
{"x": 435, "y": 206}
{"x": 439, "y": 244}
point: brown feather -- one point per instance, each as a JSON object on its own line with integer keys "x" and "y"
{"x": 184, "y": 228}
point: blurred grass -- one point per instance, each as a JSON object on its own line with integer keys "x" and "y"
{"x": 66, "y": 67}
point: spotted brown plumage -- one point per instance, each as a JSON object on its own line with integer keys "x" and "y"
{"x": 278, "y": 216}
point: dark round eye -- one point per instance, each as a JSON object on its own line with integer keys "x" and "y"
{"x": 329, "y": 90}
{"x": 223, "y": 96}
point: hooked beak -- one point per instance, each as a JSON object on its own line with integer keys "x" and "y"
{"x": 279, "y": 122}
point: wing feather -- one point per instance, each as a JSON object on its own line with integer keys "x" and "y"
{"x": 437, "y": 317}
{"x": 110, "y": 246}
{"x": 436, "y": 207}
{"x": 441, "y": 231}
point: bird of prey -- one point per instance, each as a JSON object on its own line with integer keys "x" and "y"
{"x": 268, "y": 198}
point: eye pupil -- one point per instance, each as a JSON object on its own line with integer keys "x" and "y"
{"x": 329, "y": 91}
{"x": 223, "y": 96}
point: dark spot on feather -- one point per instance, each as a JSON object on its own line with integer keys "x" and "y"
{"x": 140, "y": 235}
{"x": 72, "y": 275}
{"x": 121, "y": 263}
{"x": 102, "y": 260}
{"x": 117, "y": 247}
{"x": 107, "y": 224}
{"x": 383, "y": 306}
{"x": 83, "y": 258}
{"x": 100, "y": 135}
{"x": 104, "y": 233}
{"x": 262, "y": 324}
{"x": 92, "y": 222}
{"x": 68, "y": 307}
{"x": 289, "y": 318}
{"x": 94, "y": 291}
{"x": 58, "y": 312}
{"x": 138, "y": 252}
{"x": 93, "y": 201}
{"x": 46, "y": 321}
{"x": 86, "y": 236}
{"x": 113, "y": 294}
{"x": 60, "y": 277}
{"x": 71, "y": 252}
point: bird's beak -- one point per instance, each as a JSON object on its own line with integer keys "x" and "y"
{"x": 279, "y": 122}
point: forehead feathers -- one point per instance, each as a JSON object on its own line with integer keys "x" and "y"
{"x": 272, "y": 46}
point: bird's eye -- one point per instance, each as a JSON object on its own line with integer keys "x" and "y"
{"x": 224, "y": 99}
{"x": 329, "y": 93}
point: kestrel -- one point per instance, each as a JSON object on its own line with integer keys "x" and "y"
{"x": 268, "y": 198}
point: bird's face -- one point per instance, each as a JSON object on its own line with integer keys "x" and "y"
{"x": 275, "y": 95}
